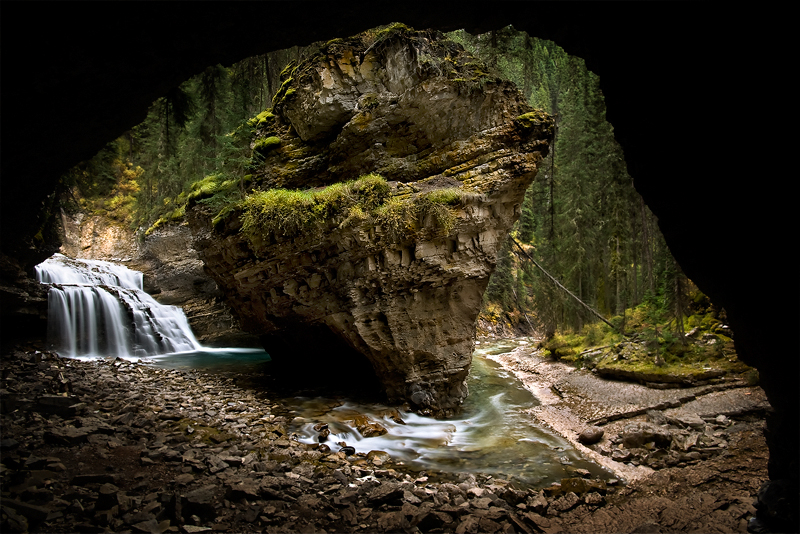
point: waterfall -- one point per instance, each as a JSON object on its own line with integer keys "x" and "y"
{"x": 97, "y": 308}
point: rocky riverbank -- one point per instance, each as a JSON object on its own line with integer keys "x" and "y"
{"x": 123, "y": 447}
{"x": 694, "y": 458}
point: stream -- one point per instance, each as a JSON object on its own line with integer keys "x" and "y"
{"x": 495, "y": 434}
{"x": 98, "y": 309}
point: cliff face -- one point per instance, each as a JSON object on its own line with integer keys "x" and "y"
{"x": 401, "y": 284}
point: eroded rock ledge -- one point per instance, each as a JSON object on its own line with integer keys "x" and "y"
{"x": 418, "y": 110}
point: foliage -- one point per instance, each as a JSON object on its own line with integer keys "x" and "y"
{"x": 586, "y": 223}
{"x": 197, "y": 130}
{"x": 290, "y": 213}
{"x": 651, "y": 346}
{"x": 107, "y": 184}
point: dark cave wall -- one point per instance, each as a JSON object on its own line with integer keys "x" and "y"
{"x": 671, "y": 73}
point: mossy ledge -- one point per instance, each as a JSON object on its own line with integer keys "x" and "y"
{"x": 370, "y": 227}
{"x": 368, "y": 201}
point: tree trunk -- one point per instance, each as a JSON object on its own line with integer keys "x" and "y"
{"x": 557, "y": 283}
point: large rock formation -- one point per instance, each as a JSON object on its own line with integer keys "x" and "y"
{"x": 404, "y": 291}
{"x": 644, "y": 84}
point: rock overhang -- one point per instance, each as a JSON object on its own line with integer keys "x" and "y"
{"x": 401, "y": 282}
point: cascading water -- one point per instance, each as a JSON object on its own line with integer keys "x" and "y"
{"x": 97, "y": 308}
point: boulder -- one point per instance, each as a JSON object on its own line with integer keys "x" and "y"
{"x": 591, "y": 435}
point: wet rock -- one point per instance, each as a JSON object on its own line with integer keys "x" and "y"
{"x": 648, "y": 527}
{"x": 537, "y": 502}
{"x": 430, "y": 520}
{"x": 594, "y": 499}
{"x": 582, "y": 485}
{"x": 482, "y": 503}
{"x": 387, "y": 493}
{"x": 33, "y": 514}
{"x": 689, "y": 419}
{"x": 8, "y": 444}
{"x": 378, "y": 458}
{"x": 656, "y": 417}
{"x": 152, "y": 526}
{"x": 367, "y": 427}
{"x": 394, "y": 415}
{"x": 93, "y": 478}
{"x": 68, "y": 435}
{"x": 107, "y": 496}
{"x": 469, "y": 524}
{"x": 12, "y": 521}
{"x": 63, "y": 406}
{"x": 392, "y": 522}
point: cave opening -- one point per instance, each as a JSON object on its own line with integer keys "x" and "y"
{"x": 606, "y": 42}
{"x": 325, "y": 366}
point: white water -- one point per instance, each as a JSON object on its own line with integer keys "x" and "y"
{"x": 494, "y": 434}
{"x": 98, "y": 309}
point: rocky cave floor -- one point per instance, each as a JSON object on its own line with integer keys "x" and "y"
{"x": 114, "y": 446}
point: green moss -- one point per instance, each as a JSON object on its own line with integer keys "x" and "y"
{"x": 372, "y": 189}
{"x": 178, "y": 213}
{"x": 288, "y": 70}
{"x": 286, "y": 212}
{"x": 266, "y": 144}
{"x": 368, "y": 199}
{"x": 393, "y": 28}
{"x": 277, "y": 210}
{"x": 536, "y": 120}
{"x": 397, "y": 217}
{"x": 285, "y": 93}
{"x": 155, "y": 226}
{"x": 205, "y": 187}
{"x": 261, "y": 120}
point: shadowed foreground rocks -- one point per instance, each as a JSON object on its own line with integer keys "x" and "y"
{"x": 122, "y": 447}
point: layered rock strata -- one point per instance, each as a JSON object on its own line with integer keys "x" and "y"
{"x": 420, "y": 112}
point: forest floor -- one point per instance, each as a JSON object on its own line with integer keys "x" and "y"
{"x": 116, "y": 446}
{"x": 708, "y": 487}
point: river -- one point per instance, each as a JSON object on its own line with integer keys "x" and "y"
{"x": 98, "y": 309}
{"x": 495, "y": 434}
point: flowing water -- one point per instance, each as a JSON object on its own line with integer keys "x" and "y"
{"x": 495, "y": 433}
{"x": 98, "y": 309}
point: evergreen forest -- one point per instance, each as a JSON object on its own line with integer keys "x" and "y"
{"x": 582, "y": 223}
